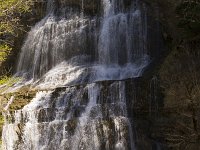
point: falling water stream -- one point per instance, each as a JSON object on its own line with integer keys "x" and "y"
{"x": 70, "y": 47}
{"x": 73, "y": 118}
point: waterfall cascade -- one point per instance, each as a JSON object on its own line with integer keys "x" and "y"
{"x": 91, "y": 117}
{"x": 69, "y": 46}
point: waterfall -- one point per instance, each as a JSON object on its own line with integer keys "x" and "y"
{"x": 68, "y": 55}
{"x": 69, "y": 46}
{"x": 122, "y": 39}
{"x": 72, "y": 118}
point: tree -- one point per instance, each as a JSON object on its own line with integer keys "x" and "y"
{"x": 11, "y": 12}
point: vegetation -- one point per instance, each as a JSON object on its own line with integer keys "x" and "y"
{"x": 11, "y": 12}
{"x": 9, "y": 81}
{"x": 4, "y": 51}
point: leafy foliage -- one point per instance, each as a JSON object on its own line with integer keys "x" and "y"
{"x": 4, "y": 51}
{"x": 10, "y": 14}
{"x": 9, "y": 81}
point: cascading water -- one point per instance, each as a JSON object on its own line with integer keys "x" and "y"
{"x": 70, "y": 47}
{"x": 72, "y": 118}
{"x": 122, "y": 39}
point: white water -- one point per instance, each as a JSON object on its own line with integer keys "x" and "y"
{"x": 11, "y": 132}
{"x": 122, "y": 39}
{"x": 73, "y": 48}
{"x": 66, "y": 73}
{"x": 72, "y": 118}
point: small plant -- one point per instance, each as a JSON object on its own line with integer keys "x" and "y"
{"x": 4, "y": 51}
{"x": 11, "y": 13}
{"x": 9, "y": 81}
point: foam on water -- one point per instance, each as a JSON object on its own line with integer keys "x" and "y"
{"x": 69, "y": 74}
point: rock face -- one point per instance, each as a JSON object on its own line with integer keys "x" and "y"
{"x": 90, "y": 7}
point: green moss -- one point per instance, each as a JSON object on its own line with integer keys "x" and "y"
{"x": 6, "y": 82}
{"x": 4, "y": 51}
{"x": 9, "y": 81}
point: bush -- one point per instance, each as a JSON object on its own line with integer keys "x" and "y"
{"x": 10, "y": 14}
